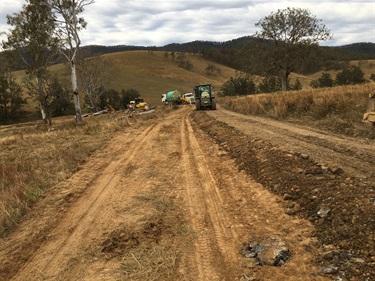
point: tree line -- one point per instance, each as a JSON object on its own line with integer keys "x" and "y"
{"x": 245, "y": 84}
{"x": 46, "y": 30}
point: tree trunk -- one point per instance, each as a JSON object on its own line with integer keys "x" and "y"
{"x": 77, "y": 102}
{"x": 43, "y": 113}
{"x": 284, "y": 81}
{"x": 92, "y": 102}
{"x": 39, "y": 82}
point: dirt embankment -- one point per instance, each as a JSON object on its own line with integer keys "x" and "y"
{"x": 176, "y": 198}
{"x": 326, "y": 179}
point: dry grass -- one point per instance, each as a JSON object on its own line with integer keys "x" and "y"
{"x": 338, "y": 109}
{"x": 155, "y": 256}
{"x": 34, "y": 159}
{"x": 150, "y": 263}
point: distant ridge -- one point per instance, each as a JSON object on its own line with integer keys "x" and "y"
{"x": 362, "y": 48}
{"x": 197, "y": 46}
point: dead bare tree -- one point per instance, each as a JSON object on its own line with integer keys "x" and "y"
{"x": 95, "y": 75}
{"x": 68, "y": 27}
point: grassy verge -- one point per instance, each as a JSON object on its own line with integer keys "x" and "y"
{"x": 33, "y": 158}
{"x": 338, "y": 109}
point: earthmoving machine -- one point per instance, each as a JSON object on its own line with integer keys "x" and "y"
{"x": 204, "y": 97}
{"x": 369, "y": 116}
{"x": 137, "y": 103}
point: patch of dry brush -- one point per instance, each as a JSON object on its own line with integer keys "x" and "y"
{"x": 338, "y": 109}
{"x": 34, "y": 158}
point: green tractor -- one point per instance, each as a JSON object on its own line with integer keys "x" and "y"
{"x": 204, "y": 97}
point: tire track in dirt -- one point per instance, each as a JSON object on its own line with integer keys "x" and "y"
{"x": 205, "y": 203}
{"x": 81, "y": 219}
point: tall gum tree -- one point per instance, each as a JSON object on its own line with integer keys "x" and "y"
{"x": 32, "y": 37}
{"x": 286, "y": 39}
{"x": 68, "y": 27}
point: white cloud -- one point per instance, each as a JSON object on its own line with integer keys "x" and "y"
{"x": 160, "y": 22}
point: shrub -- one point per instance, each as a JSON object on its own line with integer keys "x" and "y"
{"x": 350, "y": 76}
{"x": 128, "y": 95}
{"x": 242, "y": 85}
{"x": 270, "y": 84}
{"x": 111, "y": 98}
{"x": 212, "y": 70}
{"x": 325, "y": 80}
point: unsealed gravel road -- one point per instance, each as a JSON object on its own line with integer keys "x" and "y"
{"x": 176, "y": 196}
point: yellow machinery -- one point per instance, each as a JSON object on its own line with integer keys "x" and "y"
{"x": 138, "y": 102}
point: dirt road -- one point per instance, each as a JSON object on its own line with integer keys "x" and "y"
{"x": 179, "y": 198}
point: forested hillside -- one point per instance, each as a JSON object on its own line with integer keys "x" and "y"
{"x": 227, "y": 52}
{"x": 151, "y": 71}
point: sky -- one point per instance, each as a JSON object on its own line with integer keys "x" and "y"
{"x": 161, "y": 22}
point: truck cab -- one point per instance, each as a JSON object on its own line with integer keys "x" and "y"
{"x": 164, "y": 99}
{"x": 188, "y": 98}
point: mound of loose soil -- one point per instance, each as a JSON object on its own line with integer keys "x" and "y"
{"x": 341, "y": 207}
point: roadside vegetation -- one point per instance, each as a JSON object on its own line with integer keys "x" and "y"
{"x": 33, "y": 158}
{"x": 337, "y": 109}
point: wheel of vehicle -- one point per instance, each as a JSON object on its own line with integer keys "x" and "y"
{"x": 197, "y": 104}
{"x": 213, "y": 104}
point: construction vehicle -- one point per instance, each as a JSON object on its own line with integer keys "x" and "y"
{"x": 137, "y": 103}
{"x": 369, "y": 116}
{"x": 204, "y": 97}
{"x": 188, "y": 98}
{"x": 172, "y": 97}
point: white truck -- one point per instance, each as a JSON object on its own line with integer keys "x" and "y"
{"x": 189, "y": 98}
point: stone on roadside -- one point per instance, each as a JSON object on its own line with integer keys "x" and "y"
{"x": 358, "y": 260}
{"x": 222, "y": 152}
{"x": 271, "y": 251}
{"x": 304, "y": 156}
{"x": 287, "y": 196}
{"x": 323, "y": 212}
{"x": 290, "y": 212}
{"x": 329, "y": 269}
{"x": 329, "y": 255}
{"x": 275, "y": 252}
{"x": 336, "y": 170}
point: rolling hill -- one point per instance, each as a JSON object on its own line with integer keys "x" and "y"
{"x": 153, "y": 74}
